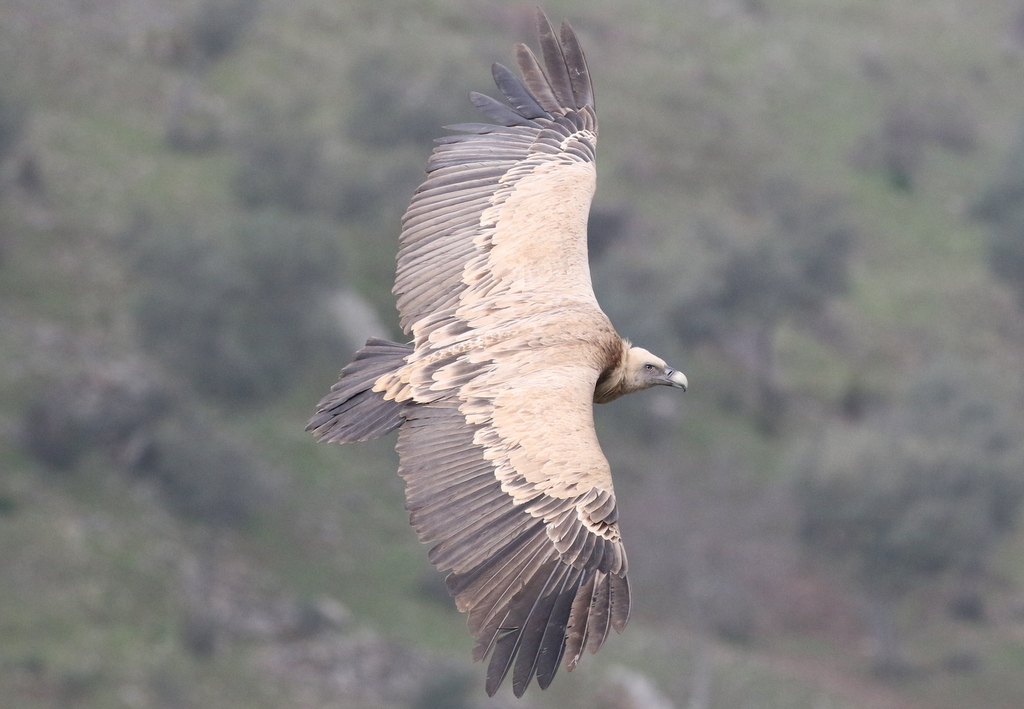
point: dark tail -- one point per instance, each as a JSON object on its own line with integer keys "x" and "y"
{"x": 353, "y": 411}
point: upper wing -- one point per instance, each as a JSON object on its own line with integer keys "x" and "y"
{"x": 504, "y": 209}
{"x": 504, "y": 474}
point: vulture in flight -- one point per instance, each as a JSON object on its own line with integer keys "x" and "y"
{"x": 493, "y": 397}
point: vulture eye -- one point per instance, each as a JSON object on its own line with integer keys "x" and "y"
{"x": 649, "y": 367}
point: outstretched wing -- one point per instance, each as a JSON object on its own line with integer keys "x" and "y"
{"x": 498, "y": 229}
{"x": 506, "y": 478}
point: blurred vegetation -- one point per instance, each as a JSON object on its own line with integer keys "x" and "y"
{"x": 235, "y": 305}
{"x": 13, "y": 119}
{"x": 1001, "y": 207}
{"x": 795, "y": 263}
{"x": 812, "y": 209}
{"x": 917, "y": 493}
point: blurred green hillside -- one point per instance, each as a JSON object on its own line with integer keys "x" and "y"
{"x": 199, "y": 210}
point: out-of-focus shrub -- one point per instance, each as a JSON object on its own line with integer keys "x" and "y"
{"x": 128, "y": 413}
{"x": 235, "y": 305}
{"x": 899, "y": 146}
{"x": 921, "y": 492}
{"x": 790, "y": 260}
{"x": 207, "y": 36}
{"x": 1001, "y": 207}
{"x": 284, "y": 163}
{"x": 449, "y": 690}
{"x": 796, "y": 261}
{"x": 111, "y": 407}
{"x": 396, "y": 103}
{"x": 279, "y": 162}
{"x": 193, "y": 125}
{"x": 207, "y": 476}
{"x": 13, "y": 119}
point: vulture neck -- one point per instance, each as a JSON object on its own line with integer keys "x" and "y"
{"x": 614, "y": 380}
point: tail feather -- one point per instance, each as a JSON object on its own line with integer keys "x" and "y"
{"x": 352, "y": 411}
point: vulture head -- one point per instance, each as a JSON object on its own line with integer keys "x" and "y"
{"x": 644, "y": 370}
{"x": 637, "y": 370}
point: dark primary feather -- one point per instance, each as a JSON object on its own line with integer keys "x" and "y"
{"x": 523, "y": 622}
{"x": 540, "y": 637}
{"x": 554, "y": 61}
{"x": 576, "y": 67}
{"x": 517, "y": 94}
{"x": 499, "y": 112}
{"x": 553, "y": 642}
{"x": 535, "y": 80}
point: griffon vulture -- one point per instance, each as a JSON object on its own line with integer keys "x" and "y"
{"x": 493, "y": 397}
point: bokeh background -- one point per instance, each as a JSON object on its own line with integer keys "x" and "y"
{"x": 814, "y": 208}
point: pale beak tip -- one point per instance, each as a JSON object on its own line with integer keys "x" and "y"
{"x": 678, "y": 379}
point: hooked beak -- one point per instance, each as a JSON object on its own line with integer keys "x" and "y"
{"x": 675, "y": 378}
